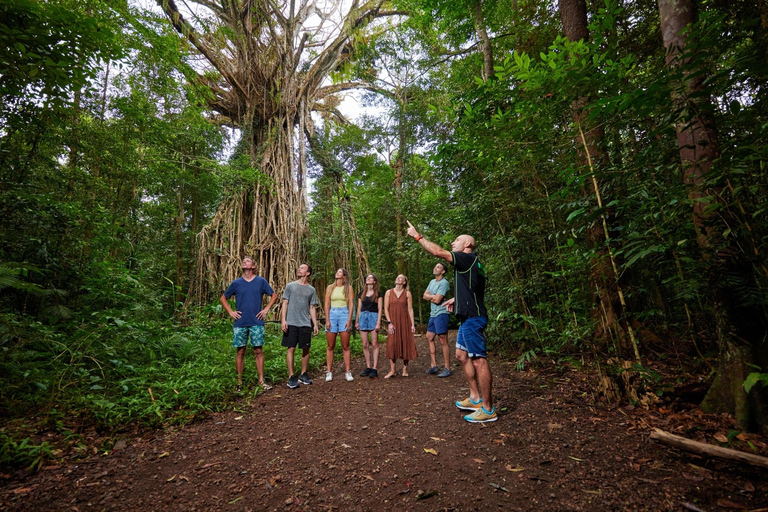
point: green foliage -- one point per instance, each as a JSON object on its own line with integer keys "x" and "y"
{"x": 23, "y": 452}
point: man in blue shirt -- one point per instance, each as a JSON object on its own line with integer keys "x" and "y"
{"x": 249, "y": 291}
{"x": 438, "y": 319}
{"x": 468, "y": 304}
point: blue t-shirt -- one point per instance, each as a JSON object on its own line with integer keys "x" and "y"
{"x": 249, "y": 298}
{"x": 440, "y": 287}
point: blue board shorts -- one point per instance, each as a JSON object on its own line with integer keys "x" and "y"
{"x": 471, "y": 336}
{"x": 368, "y": 320}
{"x": 338, "y": 318}
{"x": 241, "y": 335}
{"x": 439, "y": 324}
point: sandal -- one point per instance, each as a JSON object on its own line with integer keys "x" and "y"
{"x": 265, "y": 386}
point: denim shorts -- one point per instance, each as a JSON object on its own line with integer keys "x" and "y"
{"x": 338, "y": 318}
{"x": 368, "y": 320}
{"x": 439, "y": 324}
{"x": 241, "y": 334}
{"x": 471, "y": 337}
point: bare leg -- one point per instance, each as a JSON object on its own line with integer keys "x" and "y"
{"x": 484, "y": 380}
{"x": 469, "y": 373}
{"x": 405, "y": 368}
{"x": 289, "y": 361}
{"x": 366, "y": 352}
{"x": 330, "y": 338}
{"x": 431, "y": 341}
{"x": 375, "y": 343}
{"x": 345, "y": 351}
{"x": 304, "y": 360}
{"x": 258, "y": 354}
{"x": 446, "y": 350}
{"x": 391, "y": 369}
{"x": 240, "y": 363}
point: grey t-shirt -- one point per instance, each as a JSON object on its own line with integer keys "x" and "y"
{"x": 299, "y": 297}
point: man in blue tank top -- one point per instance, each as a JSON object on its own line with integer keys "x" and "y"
{"x": 468, "y": 303}
{"x": 249, "y": 317}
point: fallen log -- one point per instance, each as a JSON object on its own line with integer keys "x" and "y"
{"x": 708, "y": 449}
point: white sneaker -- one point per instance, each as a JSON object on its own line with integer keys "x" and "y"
{"x": 349, "y": 376}
{"x": 328, "y": 376}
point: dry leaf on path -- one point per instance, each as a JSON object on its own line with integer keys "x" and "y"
{"x": 164, "y": 454}
{"x": 516, "y": 469}
{"x": 479, "y": 461}
{"x": 720, "y": 437}
{"x": 722, "y": 502}
{"x": 437, "y": 439}
{"x": 431, "y": 450}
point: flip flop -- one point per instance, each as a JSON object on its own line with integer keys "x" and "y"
{"x": 265, "y": 386}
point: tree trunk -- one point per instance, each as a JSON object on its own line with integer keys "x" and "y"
{"x": 740, "y": 327}
{"x": 607, "y": 308}
{"x": 485, "y": 41}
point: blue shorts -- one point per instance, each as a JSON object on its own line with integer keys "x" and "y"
{"x": 338, "y": 318}
{"x": 471, "y": 337}
{"x": 368, "y": 320}
{"x": 439, "y": 324}
{"x": 241, "y": 334}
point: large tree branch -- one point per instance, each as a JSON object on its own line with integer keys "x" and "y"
{"x": 329, "y": 59}
{"x": 183, "y": 27}
{"x": 322, "y": 92}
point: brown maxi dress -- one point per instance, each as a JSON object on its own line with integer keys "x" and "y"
{"x": 401, "y": 344}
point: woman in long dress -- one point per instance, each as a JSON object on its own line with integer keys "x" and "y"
{"x": 398, "y": 308}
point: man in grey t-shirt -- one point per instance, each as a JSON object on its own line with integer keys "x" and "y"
{"x": 299, "y": 320}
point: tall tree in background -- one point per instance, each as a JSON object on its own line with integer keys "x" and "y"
{"x": 740, "y": 325}
{"x": 271, "y": 60}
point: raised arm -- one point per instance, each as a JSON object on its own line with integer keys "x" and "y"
{"x": 431, "y": 247}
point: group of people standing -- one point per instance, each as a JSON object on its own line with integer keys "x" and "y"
{"x": 299, "y": 322}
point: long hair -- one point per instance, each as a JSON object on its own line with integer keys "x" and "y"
{"x": 346, "y": 285}
{"x": 375, "y": 296}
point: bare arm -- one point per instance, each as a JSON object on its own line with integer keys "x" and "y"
{"x": 327, "y": 304}
{"x": 225, "y": 303}
{"x": 436, "y": 299}
{"x": 359, "y": 309}
{"x": 431, "y": 247}
{"x": 350, "y": 306}
{"x": 283, "y": 312}
{"x": 391, "y": 327}
{"x": 262, "y": 315}
{"x": 313, "y": 316}
{"x": 410, "y": 312}
{"x": 378, "y": 318}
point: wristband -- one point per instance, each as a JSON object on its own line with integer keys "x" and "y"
{"x": 418, "y": 237}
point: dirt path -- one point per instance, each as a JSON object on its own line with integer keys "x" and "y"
{"x": 362, "y": 446}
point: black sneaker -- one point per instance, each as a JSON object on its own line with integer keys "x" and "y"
{"x": 433, "y": 370}
{"x": 293, "y": 382}
{"x": 304, "y": 379}
{"x": 238, "y": 388}
{"x": 373, "y": 374}
{"x": 366, "y": 372}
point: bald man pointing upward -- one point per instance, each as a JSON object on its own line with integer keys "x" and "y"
{"x": 468, "y": 304}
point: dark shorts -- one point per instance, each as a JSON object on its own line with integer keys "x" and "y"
{"x": 297, "y": 337}
{"x": 471, "y": 336}
{"x": 439, "y": 324}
